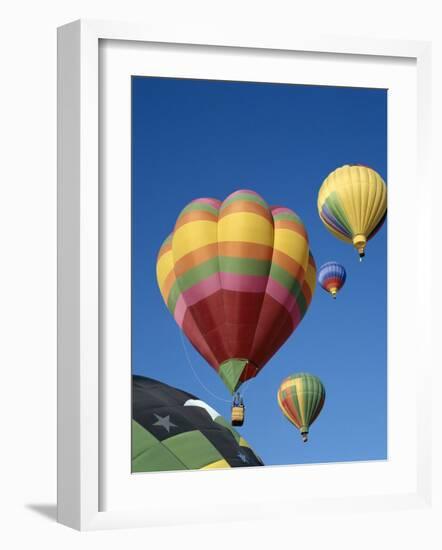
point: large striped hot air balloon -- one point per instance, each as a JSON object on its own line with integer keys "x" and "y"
{"x": 331, "y": 276}
{"x": 238, "y": 277}
{"x": 301, "y": 398}
{"x": 352, "y": 204}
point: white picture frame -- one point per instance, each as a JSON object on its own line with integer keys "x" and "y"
{"x": 82, "y": 262}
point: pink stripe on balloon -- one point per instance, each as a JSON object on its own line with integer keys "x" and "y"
{"x": 241, "y": 191}
{"x": 285, "y": 298}
{"x": 243, "y": 283}
{"x": 213, "y": 202}
{"x": 281, "y": 210}
{"x": 217, "y": 281}
{"x": 239, "y": 283}
{"x": 180, "y": 311}
{"x": 195, "y": 294}
{"x": 201, "y": 290}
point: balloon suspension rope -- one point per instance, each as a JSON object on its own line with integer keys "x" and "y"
{"x": 197, "y": 378}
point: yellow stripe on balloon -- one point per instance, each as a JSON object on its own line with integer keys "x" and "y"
{"x": 378, "y": 205}
{"x": 218, "y": 464}
{"x": 293, "y": 244}
{"x": 287, "y": 384}
{"x": 351, "y": 191}
{"x": 245, "y": 227}
{"x": 371, "y": 196}
{"x": 192, "y": 236}
{"x": 164, "y": 267}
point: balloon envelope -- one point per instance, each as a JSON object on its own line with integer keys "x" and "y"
{"x": 352, "y": 204}
{"x": 174, "y": 430}
{"x": 238, "y": 277}
{"x": 301, "y": 398}
{"x": 332, "y": 276}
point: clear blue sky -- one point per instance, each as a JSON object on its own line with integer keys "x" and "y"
{"x": 196, "y": 138}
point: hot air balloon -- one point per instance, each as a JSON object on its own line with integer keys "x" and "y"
{"x": 238, "y": 277}
{"x": 352, "y": 204}
{"x": 301, "y": 398}
{"x": 174, "y": 430}
{"x": 331, "y": 276}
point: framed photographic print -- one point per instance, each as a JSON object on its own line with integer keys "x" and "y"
{"x": 233, "y": 315}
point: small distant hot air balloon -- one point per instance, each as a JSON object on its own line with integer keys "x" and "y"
{"x": 301, "y": 398}
{"x": 238, "y": 277}
{"x": 352, "y": 204}
{"x": 331, "y": 276}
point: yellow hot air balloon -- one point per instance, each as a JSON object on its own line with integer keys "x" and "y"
{"x": 352, "y": 204}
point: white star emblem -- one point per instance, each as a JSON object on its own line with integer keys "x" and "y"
{"x": 243, "y": 457}
{"x": 164, "y": 421}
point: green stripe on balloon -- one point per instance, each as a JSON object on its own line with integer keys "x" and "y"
{"x": 285, "y": 279}
{"x": 309, "y": 384}
{"x": 240, "y": 266}
{"x": 219, "y": 264}
{"x": 244, "y": 197}
{"x": 301, "y": 300}
{"x": 287, "y": 216}
{"x": 334, "y": 205}
{"x": 244, "y": 266}
{"x": 198, "y": 206}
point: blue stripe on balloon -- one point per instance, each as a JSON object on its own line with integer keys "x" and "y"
{"x": 331, "y": 270}
{"x": 331, "y": 220}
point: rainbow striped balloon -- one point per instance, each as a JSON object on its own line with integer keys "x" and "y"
{"x": 238, "y": 277}
{"x": 352, "y": 204}
{"x": 301, "y": 398}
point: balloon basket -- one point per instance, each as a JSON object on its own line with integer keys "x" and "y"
{"x": 238, "y": 415}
